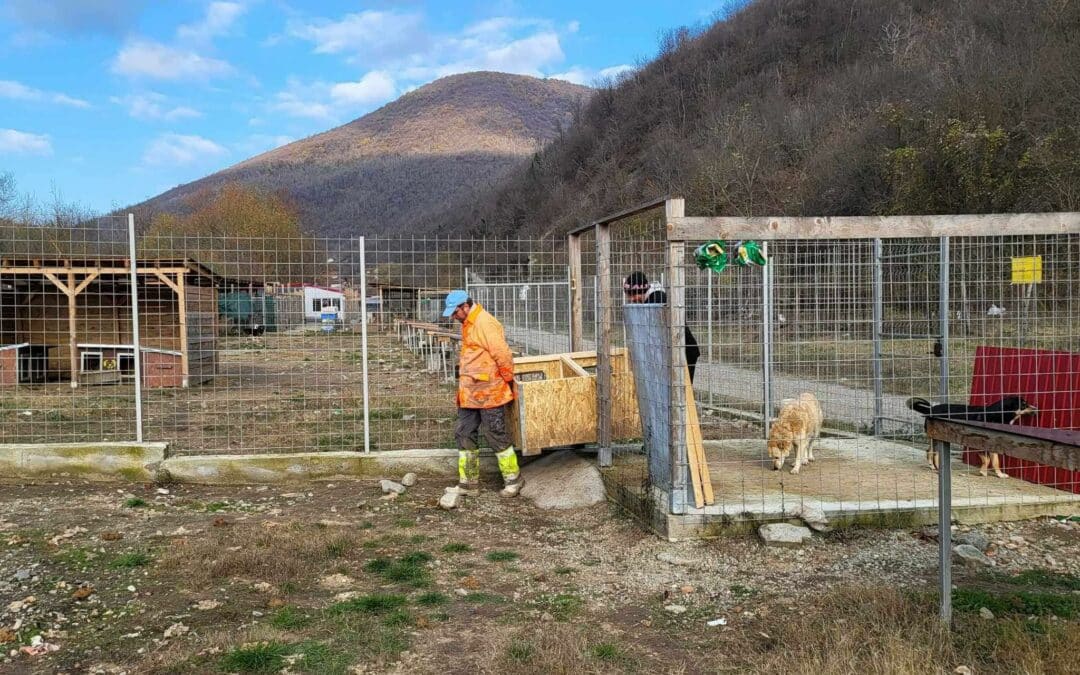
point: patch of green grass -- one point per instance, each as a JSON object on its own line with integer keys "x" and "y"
{"x": 520, "y": 651}
{"x": 606, "y": 651}
{"x": 1021, "y": 602}
{"x": 132, "y": 560}
{"x": 265, "y": 657}
{"x": 432, "y": 599}
{"x": 418, "y": 539}
{"x": 367, "y": 525}
{"x": 56, "y": 416}
{"x": 456, "y": 547}
{"x": 214, "y": 507}
{"x": 440, "y": 616}
{"x": 75, "y": 557}
{"x": 405, "y": 522}
{"x": 563, "y": 606}
{"x": 410, "y": 569}
{"x": 740, "y": 591}
{"x": 289, "y": 587}
{"x": 339, "y": 547}
{"x": 502, "y": 556}
{"x": 564, "y": 571}
{"x": 135, "y": 503}
{"x": 482, "y": 598}
{"x": 398, "y": 618}
{"x": 320, "y": 658}
{"x": 378, "y": 603}
{"x": 289, "y": 617}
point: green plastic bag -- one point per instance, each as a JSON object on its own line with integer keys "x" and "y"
{"x": 711, "y": 256}
{"x": 748, "y": 253}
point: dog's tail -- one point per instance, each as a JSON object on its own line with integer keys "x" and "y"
{"x": 919, "y": 405}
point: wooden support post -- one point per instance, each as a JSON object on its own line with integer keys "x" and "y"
{"x": 676, "y": 310}
{"x": 603, "y": 348}
{"x": 73, "y": 333}
{"x": 577, "y": 309}
{"x": 181, "y": 299}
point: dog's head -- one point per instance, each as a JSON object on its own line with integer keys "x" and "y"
{"x": 1019, "y": 408}
{"x": 780, "y": 444}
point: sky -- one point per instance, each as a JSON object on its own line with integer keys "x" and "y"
{"x": 104, "y": 103}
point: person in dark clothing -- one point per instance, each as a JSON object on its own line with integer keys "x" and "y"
{"x": 636, "y": 289}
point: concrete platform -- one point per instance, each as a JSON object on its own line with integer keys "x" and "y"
{"x": 853, "y": 480}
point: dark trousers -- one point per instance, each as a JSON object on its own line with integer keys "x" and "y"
{"x": 493, "y": 421}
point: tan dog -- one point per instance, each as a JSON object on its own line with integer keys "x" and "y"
{"x": 795, "y": 429}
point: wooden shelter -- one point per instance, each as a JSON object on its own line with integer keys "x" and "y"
{"x": 71, "y": 319}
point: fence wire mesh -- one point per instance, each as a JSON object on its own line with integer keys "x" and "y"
{"x": 255, "y": 345}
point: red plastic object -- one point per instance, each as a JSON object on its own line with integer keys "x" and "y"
{"x": 1048, "y": 380}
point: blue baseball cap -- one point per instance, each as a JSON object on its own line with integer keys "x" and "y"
{"x": 453, "y": 299}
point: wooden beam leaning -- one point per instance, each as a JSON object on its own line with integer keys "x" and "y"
{"x": 862, "y": 227}
{"x": 181, "y": 299}
{"x": 577, "y": 308}
{"x": 1052, "y": 447}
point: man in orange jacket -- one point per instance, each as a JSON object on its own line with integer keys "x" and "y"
{"x": 485, "y": 389}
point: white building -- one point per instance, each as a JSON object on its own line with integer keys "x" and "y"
{"x": 319, "y": 299}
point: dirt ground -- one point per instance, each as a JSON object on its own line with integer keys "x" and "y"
{"x": 332, "y": 578}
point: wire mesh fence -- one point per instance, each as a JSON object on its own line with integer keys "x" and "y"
{"x": 286, "y": 344}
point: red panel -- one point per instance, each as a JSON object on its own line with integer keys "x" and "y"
{"x": 1048, "y": 380}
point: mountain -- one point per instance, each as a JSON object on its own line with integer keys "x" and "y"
{"x": 395, "y": 168}
{"x": 821, "y": 107}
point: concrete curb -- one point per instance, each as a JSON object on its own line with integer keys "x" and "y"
{"x": 93, "y": 461}
{"x": 305, "y": 466}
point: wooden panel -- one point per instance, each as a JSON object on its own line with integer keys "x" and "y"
{"x": 1052, "y": 447}
{"x": 866, "y": 227}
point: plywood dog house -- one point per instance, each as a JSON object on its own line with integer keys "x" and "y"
{"x": 71, "y": 320}
{"x": 556, "y": 401}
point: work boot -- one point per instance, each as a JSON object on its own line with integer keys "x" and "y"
{"x": 512, "y": 486}
{"x": 465, "y": 489}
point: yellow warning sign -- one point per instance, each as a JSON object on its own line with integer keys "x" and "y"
{"x": 1027, "y": 270}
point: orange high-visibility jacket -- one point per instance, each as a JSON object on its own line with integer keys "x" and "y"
{"x": 486, "y": 366}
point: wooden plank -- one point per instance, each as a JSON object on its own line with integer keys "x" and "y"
{"x": 181, "y": 305}
{"x": 85, "y": 282}
{"x": 866, "y": 227}
{"x": 1058, "y": 448}
{"x": 73, "y": 331}
{"x": 603, "y": 365}
{"x": 577, "y": 307}
{"x": 167, "y": 281}
{"x": 572, "y": 366}
{"x": 696, "y": 444}
{"x": 692, "y": 447}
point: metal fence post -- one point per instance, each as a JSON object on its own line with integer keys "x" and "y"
{"x": 944, "y": 451}
{"x": 879, "y": 394}
{"x": 766, "y": 340}
{"x": 943, "y": 318}
{"x": 364, "y": 343}
{"x": 132, "y": 267}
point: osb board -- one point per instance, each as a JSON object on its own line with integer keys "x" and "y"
{"x": 561, "y": 409}
{"x": 557, "y": 412}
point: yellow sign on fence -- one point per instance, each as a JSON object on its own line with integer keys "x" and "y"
{"x": 1027, "y": 270}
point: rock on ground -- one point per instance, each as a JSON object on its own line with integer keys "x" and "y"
{"x": 973, "y": 538}
{"x": 389, "y": 486}
{"x": 409, "y": 479}
{"x": 969, "y": 555}
{"x": 563, "y": 480}
{"x": 784, "y": 534}
{"x": 450, "y": 500}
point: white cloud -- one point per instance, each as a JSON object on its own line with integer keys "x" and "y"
{"x": 304, "y": 101}
{"x": 220, "y": 16}
{"x": 144, "y": 58}
{"x": 374, "y": 87}
{"x": 20, "y": 92}
{"x": 370, "y": 34}
{"x": 573, "y": 26}
{"x": 154, "y": 106}
{"x": 614, "y": 72}
{"x": 576, "y": 75}
{"x": 14, "y": 142}
{"x": 178, "y": 149}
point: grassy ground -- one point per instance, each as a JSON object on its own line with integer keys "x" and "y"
{"x": 330, "y": 578}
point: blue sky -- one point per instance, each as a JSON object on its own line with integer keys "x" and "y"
{"x": 108, "y": 102}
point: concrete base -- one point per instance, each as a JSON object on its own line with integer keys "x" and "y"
{"x": 302, "y": 466}
{"x": 93, "y": 461}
